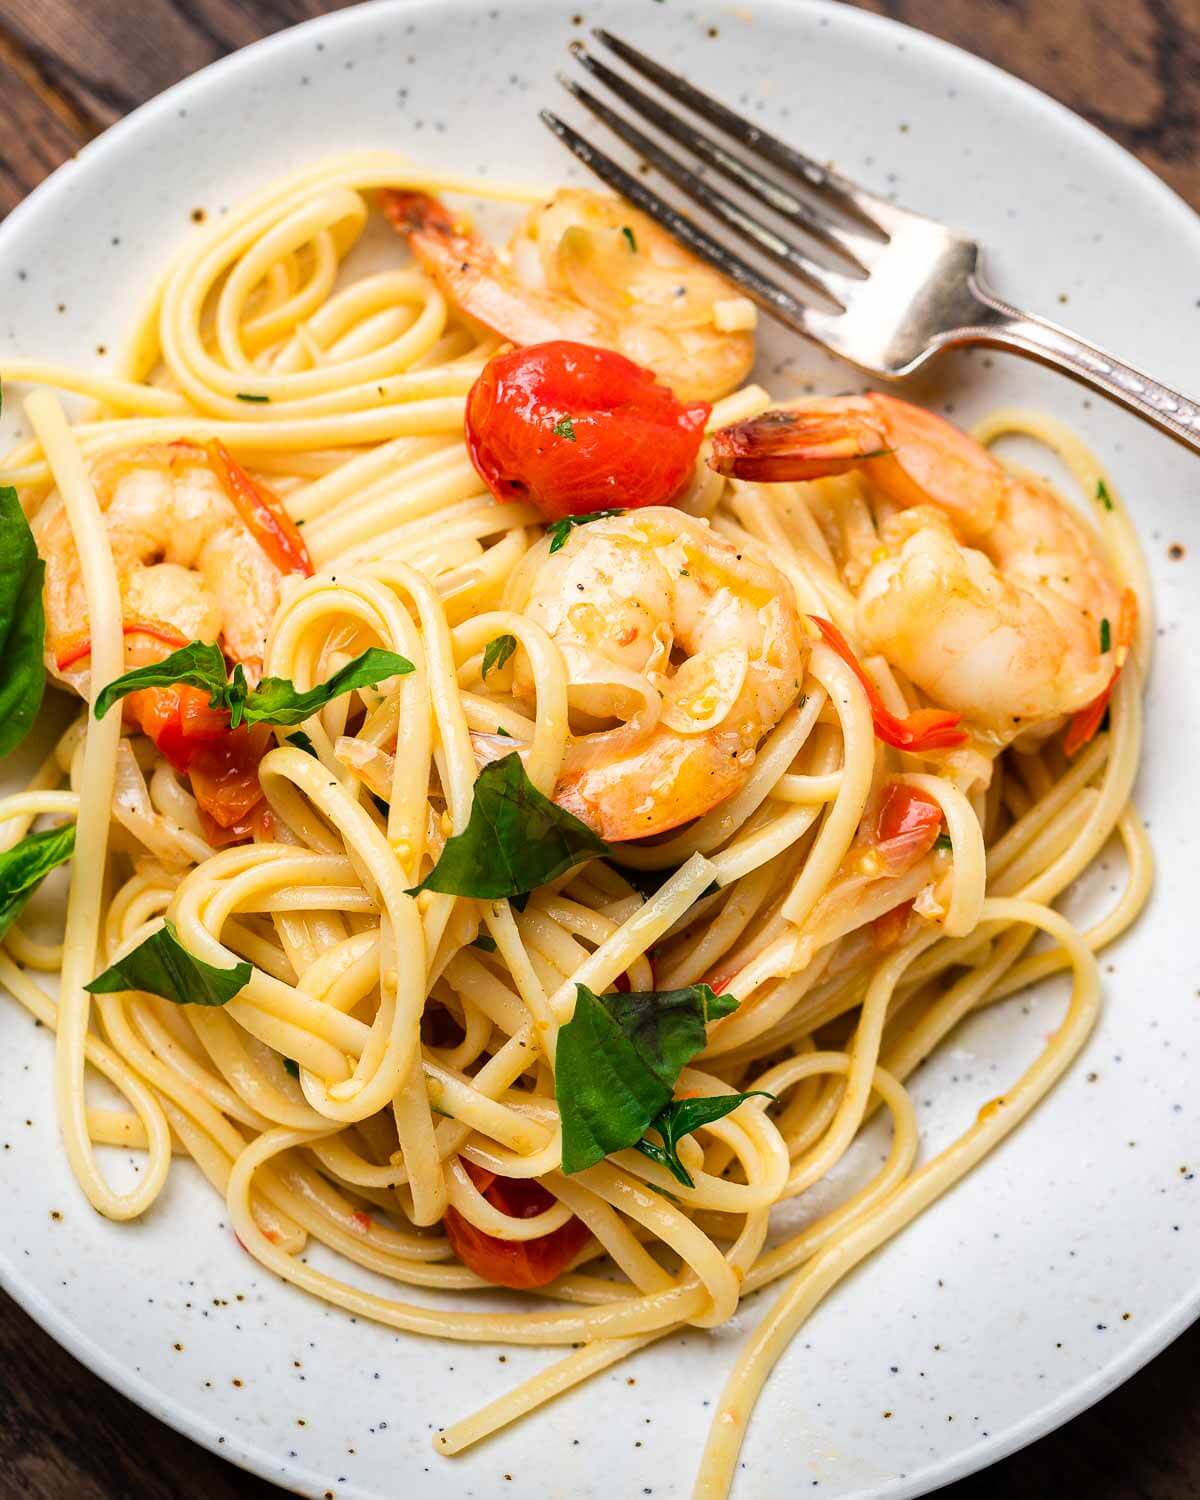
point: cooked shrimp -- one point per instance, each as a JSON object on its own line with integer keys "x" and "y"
{"x": 187, "y": 565}
{"x": 623, "y": 600}
{"x": 591, "y": 268}
{"x": 992, "y": 595}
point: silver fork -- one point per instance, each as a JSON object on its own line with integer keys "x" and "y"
{"x": 905, "y": 286}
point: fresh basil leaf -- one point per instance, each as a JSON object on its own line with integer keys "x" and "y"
{"x": 514, "y": 841}
{"x": 302, "y": 742}
{"x": 199, "y": 664}
{"x": 276, "y": 701}
{"x": 607, "y": 1096}
{"x": 668, "y": 1026}
{"x": 26, "y": 865}
{"x": 22, "y": 623}
{"x": 561, "y": 530}
{"x": 680, "y": 1118}
{"x": 161, "y": 965}
{"x": 497, "y": 652}
{"x": 617, "y": 1062}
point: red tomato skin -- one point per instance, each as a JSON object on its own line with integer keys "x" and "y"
{"x": 523, "y": 1265}
{"x": 221, "y": 762}
{"x": 906, "y": 828}
{"x": 632, "y": 442}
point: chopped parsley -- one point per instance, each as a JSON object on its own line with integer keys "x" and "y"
{"x": 250, "y": 396}
{"x": 561, "y": 530}
{"x": 1102, "y": 494}
{"x": 631, "y": 237}
{"x": 497, "y": 652}
{"x": 1105, "y": 636}
{"x": 565, "y": 429}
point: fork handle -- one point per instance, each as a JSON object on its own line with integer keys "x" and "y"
{"x": 1009, "y": 328}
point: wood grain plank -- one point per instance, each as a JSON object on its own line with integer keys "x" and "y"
{"x": 69, "y": 68}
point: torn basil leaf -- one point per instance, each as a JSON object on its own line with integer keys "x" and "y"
{"x": 680, "y": 1118}
{"x": 561, "y": 530}
{"x": 497, "y": 652}
{"x": 515, "y": 839}
{"x": 274, "y": 701}
{"x": 161, "y": 965}
{"x": 199, "y": 664}
{"x": 26, "y": 865}
{"x": 618, "y": 1060}
{"x": 22, "y": 623}
{"x": 302, "y": 742}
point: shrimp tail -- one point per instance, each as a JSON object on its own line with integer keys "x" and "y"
{"x": 785, "y": 445}
{"x": 416, "y": 213}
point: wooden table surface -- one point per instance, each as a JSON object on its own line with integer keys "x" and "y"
{"x": 68, "y": 69}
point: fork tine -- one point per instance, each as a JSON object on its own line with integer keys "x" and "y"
{"x": 826, "y": 281}
{"x": 835, "y": 190}
{"x": 856, "y": 247}
{"x": 774, "y": 299}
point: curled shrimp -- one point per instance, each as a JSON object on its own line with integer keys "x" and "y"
{"x": 983, "y": 588}
{"x": 696, "y": 649}
{"x": 188, "y": 564}
{"x": 590, "y": 268}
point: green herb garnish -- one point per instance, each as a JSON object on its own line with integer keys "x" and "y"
{"x": 302, "y": 742}
{"x": 617, "y": 1062}
{"x": 515, "y": 839}
{"x": 497, "y": 652}
{"x": 561, "y": 530}
{"x": 943, "y": 841}
{"x": 161, "y": 965}
{"x": 485, "y": 942}
{"x": 22, "y": 623}
{"x": 631, "y": 237}
{"x": 26, "y": 865}
{"x": 249, "y": 396}
{"x": 274, "y": 701}
{"x": 680, "y": 1118}
{"x": 1105, "y": 636}
{"x": 290, "y": 1065}
{"x": 1102, "y": 494}
{"x": 565, "y": 429}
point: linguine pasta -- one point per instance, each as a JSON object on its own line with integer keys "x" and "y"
{"x": 384, "y": 1042}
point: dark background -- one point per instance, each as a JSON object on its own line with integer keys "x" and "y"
{"x": 68, "y": 69}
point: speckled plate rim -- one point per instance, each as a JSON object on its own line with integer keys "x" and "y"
{"x": 229, "y": 1444}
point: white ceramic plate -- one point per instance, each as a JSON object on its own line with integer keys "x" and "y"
{"x": 1070, "y": 1256}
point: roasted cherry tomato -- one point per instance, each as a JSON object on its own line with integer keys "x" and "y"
{"x": 222, "y": 763}
{"x": 521, "y": 1264}
{"x": 577, "y": 429}
{"x": 906, "y": 828}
